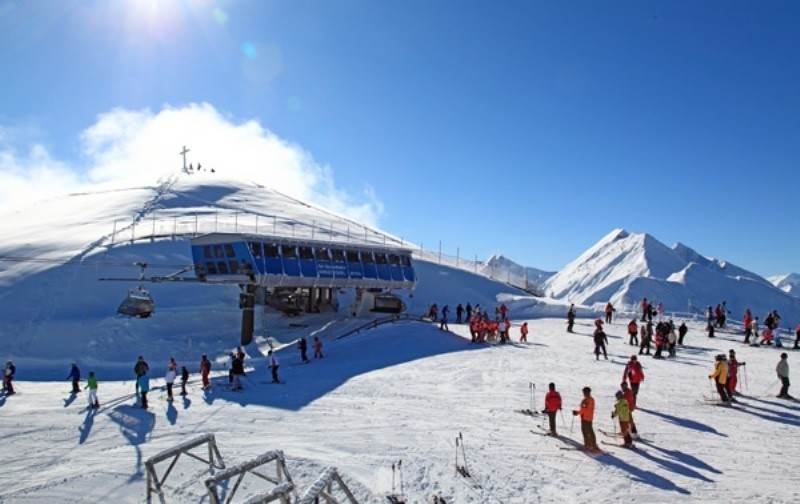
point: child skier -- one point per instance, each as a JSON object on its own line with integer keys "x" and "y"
{"x": 91, "y": 386}
{"x": 623, "y": 412}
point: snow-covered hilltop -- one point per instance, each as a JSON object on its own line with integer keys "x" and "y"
{"x": 55, "y": 253}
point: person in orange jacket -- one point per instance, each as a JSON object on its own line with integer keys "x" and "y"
{"x": 552, "y": 405}
{"x": 523, "y": 332}
{"x": 586, "y": 412}
{"x": 633, "y": 332}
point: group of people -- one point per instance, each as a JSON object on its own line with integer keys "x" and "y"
{"x": 624, "y": 406}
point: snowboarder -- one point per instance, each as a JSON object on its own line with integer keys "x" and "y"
{"x": 552, "y": 405}
{"x": 600, "y": 341}
{"x": 317, "y": 348}
{"x": 523, "y": 332}
{"x": 634, "y": 374}
{"x": 144, "y": 387}
{"x": 169, "y": 377}
{"x": 205, "y": 369}
{"x": 273, "y": 366}
{"x": 720, "y": 377}
{"x": 75, "y": 376}
{"x": 633, "y": 331}
{"x": 782, "y": 369}
{"x": 184, "y": 379}
{"x": 586, "y": 412}
{"x": 8, "y": 378}
{"x": 140, "y": 369}
{"x": 302, "y": 345}
{"x": 623, "y": 413}
{"x": 91, "y": 387}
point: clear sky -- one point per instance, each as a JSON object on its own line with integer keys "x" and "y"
{"x": 527, "y": 128}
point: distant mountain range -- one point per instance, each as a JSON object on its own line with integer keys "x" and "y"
{"x": 624, "y": 268}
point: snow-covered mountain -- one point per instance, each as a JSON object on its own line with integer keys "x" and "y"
{"x": 625, "y": 267}
{"x": 505, "y": 270}
{"x": 789, "y": 283}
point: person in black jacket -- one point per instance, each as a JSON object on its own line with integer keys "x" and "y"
{"x": 302, "y": 344}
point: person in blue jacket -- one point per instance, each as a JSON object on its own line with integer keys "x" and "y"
{"x": 144, "y": 388}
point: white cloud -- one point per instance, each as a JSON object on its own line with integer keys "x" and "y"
{"x": 136, "y": 147}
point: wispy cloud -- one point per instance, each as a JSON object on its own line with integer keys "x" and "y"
{"x": 136, "y": 147}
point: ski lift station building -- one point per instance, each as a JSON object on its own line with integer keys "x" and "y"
{"x": 268, "y": 267}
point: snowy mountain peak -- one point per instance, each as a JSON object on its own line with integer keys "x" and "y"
{"x": 625, "y": 267}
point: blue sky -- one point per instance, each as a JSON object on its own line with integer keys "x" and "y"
{"x": 530, "y": 129}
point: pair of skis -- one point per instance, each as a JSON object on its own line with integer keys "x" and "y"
{"x": 461, "y": 468}
{"x": 530, "y": 411}
{"x": 393, "y": 497}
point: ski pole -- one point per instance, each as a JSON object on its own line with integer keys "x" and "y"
{"x": 533, "y": 397}
{"x": 571, "y": 425}
{"x": 400, "y": 470}
{"x": 392, "y": 477}
{"x": 563, "y": 422}
{"x": 530, "y": 389}
{"x": 746, "y": 386}
{"x": 456, "y": 455}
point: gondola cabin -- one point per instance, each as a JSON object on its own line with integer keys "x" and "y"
{"x": 137, "y": 303}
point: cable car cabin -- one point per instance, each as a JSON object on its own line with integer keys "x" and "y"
{"x": 271, "y": 261}
{"x": 137, "y": 303}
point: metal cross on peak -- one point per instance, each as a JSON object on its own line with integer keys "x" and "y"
{"x": 183, "y": 153}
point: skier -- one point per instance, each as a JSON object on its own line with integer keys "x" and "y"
{"x": 623, "y": 412}
{"x": 645, "y": 309}
{"x": 75, "y": 376}
{"x": 459, "y": 313}
{"x": 609, "y": 312}
{"x": 586, "y": 412}
{"x": 523, "y": 332}
{"x": 633, "y": 331}
{"x": 443, "y": 322}
{"x": 140, "y": 369}
{"x": 746, "y": 322}
{"x": 552, "y": 404}
{"x": 570, "y": 317}
{"x": 8, "y": 378}
{"x": 237, "y": 371}
{"x": 733, "y": 373}
{"x": 91, "y": 386}
{"x": 317, "y": 348}
{"x": 710, "y": 329}
{"x": 682, "y": 330}
{"x": 303, "y": 346}
{"x": 600, "y": 341}
{"x": 797, "y": 337}
{"x": 645, "y": 340}
{"x": 783, "y": 375}
{"x": 169, "y": 377}
{"x": 205, "y": 369}
{"x": 754, "y": 330}
{"x": 144, "y": 387}
{"x": 672, "y": 339}
{"x": 720, "y": 377}
{"x": 634, "y": 374}
{"x": 184, "y": 379}
{"x": 273, "y": 366}
{"x": 628, "y": 393}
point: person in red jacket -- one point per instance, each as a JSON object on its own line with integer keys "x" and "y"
{"x": 733, "y": 373}
{"x": 552, "y": 404}
{"x": 586, "y": 412}
{"x": 634, "y": 374}
{"x": 523, "y": 332}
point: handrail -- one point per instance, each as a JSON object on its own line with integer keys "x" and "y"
{"x": 403, "y": 317}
